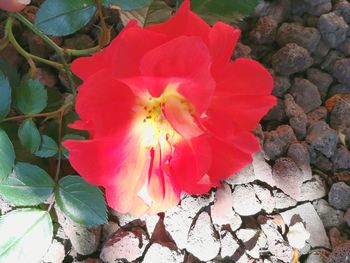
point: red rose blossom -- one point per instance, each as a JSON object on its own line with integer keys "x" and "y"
{"x": 167, "y": 112}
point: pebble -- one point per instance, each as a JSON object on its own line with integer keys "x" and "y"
{"x": 84, "y": 240}
{"x": 318, "y": 256}
{"x": 347, "y": 216}
{"x": 336, "y": 237}
{"x": 318, "y": 236}
{"x": 341, "y": 70}
{"x": 229, "y": 245}
{"x": 262, "y": 170}
{"x": 55, "y": 254}
{"x": 318, "y": 7}
{"x": 322, "y": 138}
{"x": 291, "y": 59}
{"x": 265, "y": 197}
{"x": 202, "y": 241}
{"x": 340, "y": 115}
{"x": 279, "y": 9}
{"x": 306, "y": 94}
{"x": 288, "y": 177}
{"x": 319, "y": 114}
{"x": 157, "y": 252}
{"x": 298, "y": 152}
{"x": 333, "y": 29}
{"x": 339, "y": 196}
{"x": 277, "y": 141}
{"x": 341, "y": 254}
{"x": 249, "y": 238}
{"x": 244, "y": 176}
{"x": 283, "y": 201}
{"x": 281, "y": 85}
{"x": 296, "y": 115}
{"x": 329, "y": 216}
{"x": 312, "y": 190}
{"x": 341, "y": 159}
{"x": 46, "y": 77}
{"x": 108, "y": 230}
{"x": 343, "y": 8}
{"x": 306, "y": 37}
{"x": 322, "y": 80}
{"x": 277, "y": 113}
{"x": 264, "y": 31}
{"x": 124, "y": 245}
{"x": 245, "y": 202}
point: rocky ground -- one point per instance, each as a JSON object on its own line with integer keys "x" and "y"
{"x": 302, "y": 173}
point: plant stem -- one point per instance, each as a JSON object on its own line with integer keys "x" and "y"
{"x": 105, "y": 36}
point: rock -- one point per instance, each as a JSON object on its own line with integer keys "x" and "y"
{"x": 306, "y": 94}
{"x": 340, "y": 115}
{"x": 79, "y": 41}
{"x": 84, "y": 240}
{"x": 229, "y": 245}
{"x": 264, "y": 31}
{"x": 340, "y": 254}
{"x": 108, "y": 230}
{"x": 151, "y": 222}
{"x": 178, "y": 220}
{"x": 277, "y": 246}
{"x": 318, "y": 236}
{"x": 318, "y": 256}
{"x": 306, "y": 37}
{"x": 5, "y": 207}
{"x": 338, "y": 89}
{"x": 319, "y": 114}
{"x": 341, "y": 159}
{"x": 299, "y": 154}
{"x": 202, "y": 241}
{"x": 262, "y": 170}
{"x": 322, "y": 138}
{"x": 347, "y": 216}
{"x": 244, "y": 176}
{"x": 282, "y": 200}
{"x": 279, "y": 9}
{"x": 312, "y": 190}
{"x": 277, "y": 113}
{"x": 343, "y": 8}
{"x": 124, "y": 245}
{"x": 55, "y": 254}
{"x": 341, "y": 70}
{"x": 320, "y": 161}
{"x": 345, "y": 47}
{"x": 321, "y": 80}
{"x": 291, "y": 59}
{"x": 339, "y": 196}
{"x": 336, "y": 237}
{"x": 242, "y": 51}
{"x": 46, "y": 77}
{"x": 329, "y": 216}
{"x": 265, "y": 197}
{"x": 281, "y": 85}
{"x": 329, "y": 60}
{"x": 288, "y": 176}
{"x": 245, "y": 202}
{"x": 158, "y": 252}
{"x": 320, "y": 52}
{"x": 222, "y": 212}
{"x": 37, "y": 46}
{"x": 252, "y": 240}
{"x": 318, "y": 7}
{"x": 333, "y": 29}
{"x": 296, "y": 115}
{"x": 277, "y": 141}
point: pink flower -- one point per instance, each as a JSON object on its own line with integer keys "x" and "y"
{"x": 13, "y": 5}
{"x": 167, "y": 112}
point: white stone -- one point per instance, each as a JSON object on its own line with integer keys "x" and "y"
{"x": 159, "y": 253}
{"x": 314, "y": 225}
{"x": 245, "y": 202}
{"x": 229, "y": 245}
{"x": 55, "y": 254}
{"x": 151, "y": 222}
{"x": 123, "y": 245}
{"x": 244, "y": 176}
{"x": 262, "y": 169}
{"x": 265, "y": 197}
{"x": 282, "y": 200}
{"x": 202, "y": 241}
{"x": 312, "y": 190}
{"x": 109, "y": 229}
{"x": 249, "y": 237}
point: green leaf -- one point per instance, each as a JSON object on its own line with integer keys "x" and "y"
{"x": 5, "y": 98}
{"x": 29, "y": 135}
{"x": 26, "y": 235}
{"x": 30, "y": 97}
{"x": 127, "y": 4}
{"x": 80, "y": 201}
{"x": 157, "y": 12}
{"x": 76, "y": 137}
{"x": 48, "y": 147}
{"x": 28, "y": 185}
{"x": 64, "y": 17}
{"x": 228, "y": 11}
{"x": 7, "y": 155}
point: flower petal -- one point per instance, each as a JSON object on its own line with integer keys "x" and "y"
{"x": 183, "y": 23}
{"x": 222, "y": 41}
{"x": 229, "y": 158}
{"x": 189, "y": 164}
{"x": 244, "y": 76}
{"x": 180, "y": 118}
{"x": 184, "y": 61}
{"x": 102, "y": 101}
